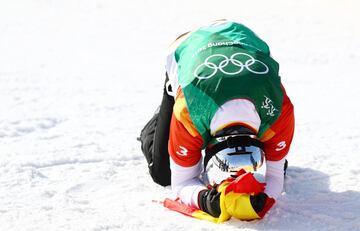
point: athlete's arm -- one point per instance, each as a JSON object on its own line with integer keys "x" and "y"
{"x": 277, "y": 141}
{"x": 185, "y": 156}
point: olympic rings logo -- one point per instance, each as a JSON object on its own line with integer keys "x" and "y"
{"x": 233, "y": 60}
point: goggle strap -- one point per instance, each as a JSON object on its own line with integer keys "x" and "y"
{"x": 231, "y": 142}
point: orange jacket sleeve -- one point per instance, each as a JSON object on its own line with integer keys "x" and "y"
{"x": 277, "y": 139}
{"x": 185, "y": 142}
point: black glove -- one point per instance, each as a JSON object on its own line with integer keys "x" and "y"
{"x": 209, "y": 201}
{"x": 258, "y": 201}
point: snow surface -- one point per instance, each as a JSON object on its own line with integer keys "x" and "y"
{"x": 79, "y": 79}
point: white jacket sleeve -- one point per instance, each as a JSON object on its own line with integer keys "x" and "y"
{"x": 185, "y": 182}
{"x": 274, "y": 178}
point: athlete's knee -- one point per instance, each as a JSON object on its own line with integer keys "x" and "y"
{"x": 160, "y": 175}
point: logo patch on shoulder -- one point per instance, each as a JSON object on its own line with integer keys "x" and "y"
{"x": 268, "y": 105}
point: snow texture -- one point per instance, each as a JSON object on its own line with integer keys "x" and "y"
{"x": 80, "y": 78}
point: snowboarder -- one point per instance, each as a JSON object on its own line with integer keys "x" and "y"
{"x": 223, "y": 114}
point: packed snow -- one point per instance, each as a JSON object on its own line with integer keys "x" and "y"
{"x": 80, "y": 78}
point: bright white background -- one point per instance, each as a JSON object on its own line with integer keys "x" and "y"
{"x": 79, "y": 79}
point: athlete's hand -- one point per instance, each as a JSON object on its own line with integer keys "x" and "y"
{"x": 209, "y": 201}
{"x": 241, "y": 197}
